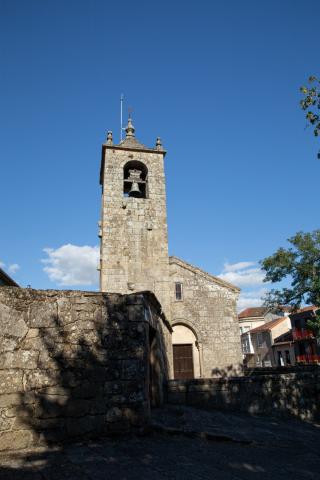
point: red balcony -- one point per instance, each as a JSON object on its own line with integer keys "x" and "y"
{"x": 301, "y": 333}
{"x": 308, "y": 358}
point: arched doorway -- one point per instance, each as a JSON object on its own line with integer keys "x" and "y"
{"x": 186, "y": 359}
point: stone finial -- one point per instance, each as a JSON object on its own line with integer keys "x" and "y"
{"x": 159, "y": 144}
{"x": 109, "y": 138}
{"x": 130, "y": 128}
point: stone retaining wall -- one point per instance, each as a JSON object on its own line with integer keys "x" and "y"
{"x": 74, "y": 363}
{"x": 292, "y": 394}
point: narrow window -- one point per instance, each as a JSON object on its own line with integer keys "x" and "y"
{"x": 245, "y": 344}
{"x": 259, "y": 339}
{"x": 280, "y": 359}
{"x": 178, "y": 291}
{"x": 288, "y": 359}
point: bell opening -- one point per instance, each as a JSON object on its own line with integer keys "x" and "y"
{"x": 135, "y": 180}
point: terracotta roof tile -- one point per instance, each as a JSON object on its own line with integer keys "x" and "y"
{"x": 306, "y": 309}
{"x": 253, "y": 312}
{"x": 269, "y": 325}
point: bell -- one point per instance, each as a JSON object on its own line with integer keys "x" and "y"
{"x": 135, "y": 190}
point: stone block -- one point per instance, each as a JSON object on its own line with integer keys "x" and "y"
{"x": 132, "y": 369}
{"x": 18, "y": 328}
{"x": 88, "y": 389}
{"x": 15, "y": 440}
{"x": 136, "y": 313}
{"x": 113, "y": 415}
{"x": 10, "y": 381}
{"x": 75, "y": 407}
{"x": 43, "y": 314}
{"x": 40, "y": 378}
{"x": 32, "y": 333}
{"x": 51, "y": 406}
{"x": 5, "y": 422}
{"x": 24, "y": 359}
{"x": 10, "y": 399}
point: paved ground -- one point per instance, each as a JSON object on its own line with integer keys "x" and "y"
{"x": 188, "y": 444}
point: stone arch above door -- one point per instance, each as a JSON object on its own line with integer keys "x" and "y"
{"x": 186, "y": 323}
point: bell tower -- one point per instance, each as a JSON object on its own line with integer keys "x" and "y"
{"x": 133, "y": 226}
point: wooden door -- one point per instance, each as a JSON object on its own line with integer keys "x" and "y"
{"x": 183, "y": 361}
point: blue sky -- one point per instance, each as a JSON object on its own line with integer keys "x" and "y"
{"x": 218, "y": 81}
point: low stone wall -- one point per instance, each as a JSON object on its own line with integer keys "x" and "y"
{"x": 293, "y": 394}
{"x": 75, "y": 363}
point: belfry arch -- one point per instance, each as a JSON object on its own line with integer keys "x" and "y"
{"x": 135, "y": 179}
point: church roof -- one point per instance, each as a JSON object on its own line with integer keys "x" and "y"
{"x": 128, "y": 143}
{"x": 199, "y": 271}
{"x": 6, "y": 280}
{"x": 132, "y": 142}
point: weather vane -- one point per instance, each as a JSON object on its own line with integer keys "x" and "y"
{"x": 130, "y": 110}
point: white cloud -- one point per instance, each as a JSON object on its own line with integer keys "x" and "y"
{"x": 251, "y": 298}
{"x": 13, "y": 268}
{"x": 242, "y": 274}
{"x": 71, "y": 265}
{"x": 249, "y": 277}
{"x": 232, "y": 267}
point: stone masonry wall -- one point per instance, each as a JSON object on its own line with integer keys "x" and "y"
{"x": 209, "y": 309}
{"x": 75, "y": 363}
{"x": 290, "y": 394}
{"x": 134, "y": 239}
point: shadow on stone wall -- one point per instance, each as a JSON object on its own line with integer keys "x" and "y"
{"x": 90, "y": 383}
{"x": 84, "y": 372}
{"x": 295, "y": 394}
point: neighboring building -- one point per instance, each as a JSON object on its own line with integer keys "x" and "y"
{"x": 283, "y": 350}
{"x": 254, "y": 317}
{"x": 261, "y": 340}
{"x": 305, "y": 344}
{"x": 5, "y": 280}
{"x": 134, "y": 257}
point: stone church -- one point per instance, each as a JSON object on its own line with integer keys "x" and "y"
{"x": 200, "y": 307}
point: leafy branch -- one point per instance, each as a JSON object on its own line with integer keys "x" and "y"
{"x": 300, "y": 263}
{"x": 311, "y": 104}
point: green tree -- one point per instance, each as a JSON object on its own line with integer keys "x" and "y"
{"x": 300, "y": 264}
{"x": 311, "y": 104}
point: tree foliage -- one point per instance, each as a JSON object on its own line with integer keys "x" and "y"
{"x": 300, "y": 264}
{"x": 311, "y": 104}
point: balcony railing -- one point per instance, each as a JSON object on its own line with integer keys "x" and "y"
{"x": 301, "y": 333}
{"x": 308, "y": 358}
